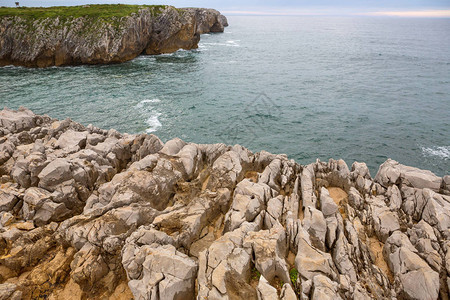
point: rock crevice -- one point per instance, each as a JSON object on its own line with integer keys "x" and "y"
{"x": 92, "y": 213}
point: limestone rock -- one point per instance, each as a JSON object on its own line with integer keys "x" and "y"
{"x": 8, "y": 291}
{"x": 265, "y": 290}
{"x": 72, "y": 140}
{"x": 391, "y": 172}
{"x": 269, "y": 249}
{"x": 164, "y": 272}
{"x": 385, "y": 221}
{"x": 324, "y": 288}
{"x": 436, "y": 211}
{"x": 307, "y": 185}
{"x": 445, "y": 187}
{"x": 287, "y": 293}
{"x": 327, "y": 204}
{"x": 97, "y": 214}
{"x": 55, "y": 173}
{"x": 172, "y": 147}
{"x": 17, "y": 121}
{"x": 7, "y": 201}
{"x": 311, "y": 261}
{"x": 314, "y": 222}
{"x": 418, "y": 280}
{"x": 83, "y": 40}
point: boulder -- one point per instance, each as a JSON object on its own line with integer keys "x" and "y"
{"x": 269, "y": 249}
{"x": 307, "y": 179}
{"x": 425, "y": 241}
{"x": 392, "y": 172}
{"x": 17, "y": 121}
{"x": 445, "y": 187}
{"x": 55, "y": 173}
{"x": 287, "y": 293}
{"x": 324, "y": 288}
{"x": 173, "y": 146}
{"x": 33, "y": 200}
{"x": 265, "y": 290}
{"x": 7, "y": 201}
{"x": 385, "y": 221}
{"x": 394, "y": 196}
{"x": 311, "y": 261}
{"x": 165, "y": 273}
{"x": 71, "y": 139}
{"x": 417, "y": 278}
{"x": 50, "y": 212}
{"x": 436, "y": 211}
{"x": 314, "y": 222}
{"x": 327, "y": 204}
{"x": 6, "y": 219}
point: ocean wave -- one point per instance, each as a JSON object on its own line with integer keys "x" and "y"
{"x": 439, "y": 151}
{"x": 12, "y": 67}
{"x": 143, "y": 102}
{"x": 227, "y": 44}
{"x": 153, "y": 123}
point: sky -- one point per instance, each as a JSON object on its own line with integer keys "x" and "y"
{"x": 398, "y": 8}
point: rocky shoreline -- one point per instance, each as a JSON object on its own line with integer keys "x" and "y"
{"x": 81, "y": 40}
{"x": 90, "y": 213}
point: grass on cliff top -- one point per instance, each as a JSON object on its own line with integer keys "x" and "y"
{"x": 104, "y": 11}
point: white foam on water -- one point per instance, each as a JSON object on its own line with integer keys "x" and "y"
{"x": 233, "y": 43}
{"x": 12, "y": 67}
{"x": 143, "y": 102}
{"x": 153, "y": 123}
{"x": 227, "y": 44}
{"x": 441, "y": 151}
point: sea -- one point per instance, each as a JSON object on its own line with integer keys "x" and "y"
{"x": 357, "y": 88}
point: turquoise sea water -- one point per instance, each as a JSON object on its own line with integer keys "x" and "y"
{"x": 361, "y": 89}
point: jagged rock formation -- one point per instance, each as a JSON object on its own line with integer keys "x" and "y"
{"x": 81, "y": 40}
{"x": 86, "y": 212}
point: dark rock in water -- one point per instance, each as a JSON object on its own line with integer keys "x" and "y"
{"x": 90, "y": 213}
{"x": 60, "y": 41}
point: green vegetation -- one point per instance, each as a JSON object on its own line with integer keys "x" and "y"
{"x": 96, "y": 17}
{"x": 102, "y": 11}
{"x": 293, "y": 273}
{"x": 255, "y": 274}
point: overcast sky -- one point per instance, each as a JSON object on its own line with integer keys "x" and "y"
{"x": 328, "y": 7}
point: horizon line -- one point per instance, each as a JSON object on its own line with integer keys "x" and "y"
{"x": 402, "y": 14}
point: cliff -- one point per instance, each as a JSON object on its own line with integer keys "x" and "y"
{"x": 99, "y": 34}
{"x": 90, "y": 213}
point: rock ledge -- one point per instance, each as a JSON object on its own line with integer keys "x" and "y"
{"x": 90, "y": 213}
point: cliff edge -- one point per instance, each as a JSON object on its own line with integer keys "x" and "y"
{"x": 90, "y": 213}
{"x": 99, "y": 34}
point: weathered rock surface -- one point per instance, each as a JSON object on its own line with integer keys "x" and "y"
{"x": 90, "y": 213}
{"x": 82, "y": 40}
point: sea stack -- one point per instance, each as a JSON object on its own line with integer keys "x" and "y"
{"x": 91, "y": 36}
{"x": 92, "y": 213}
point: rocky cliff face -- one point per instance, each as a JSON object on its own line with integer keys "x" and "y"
{"x": 56, "y": 42}
{"x": 86, "y": 212}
